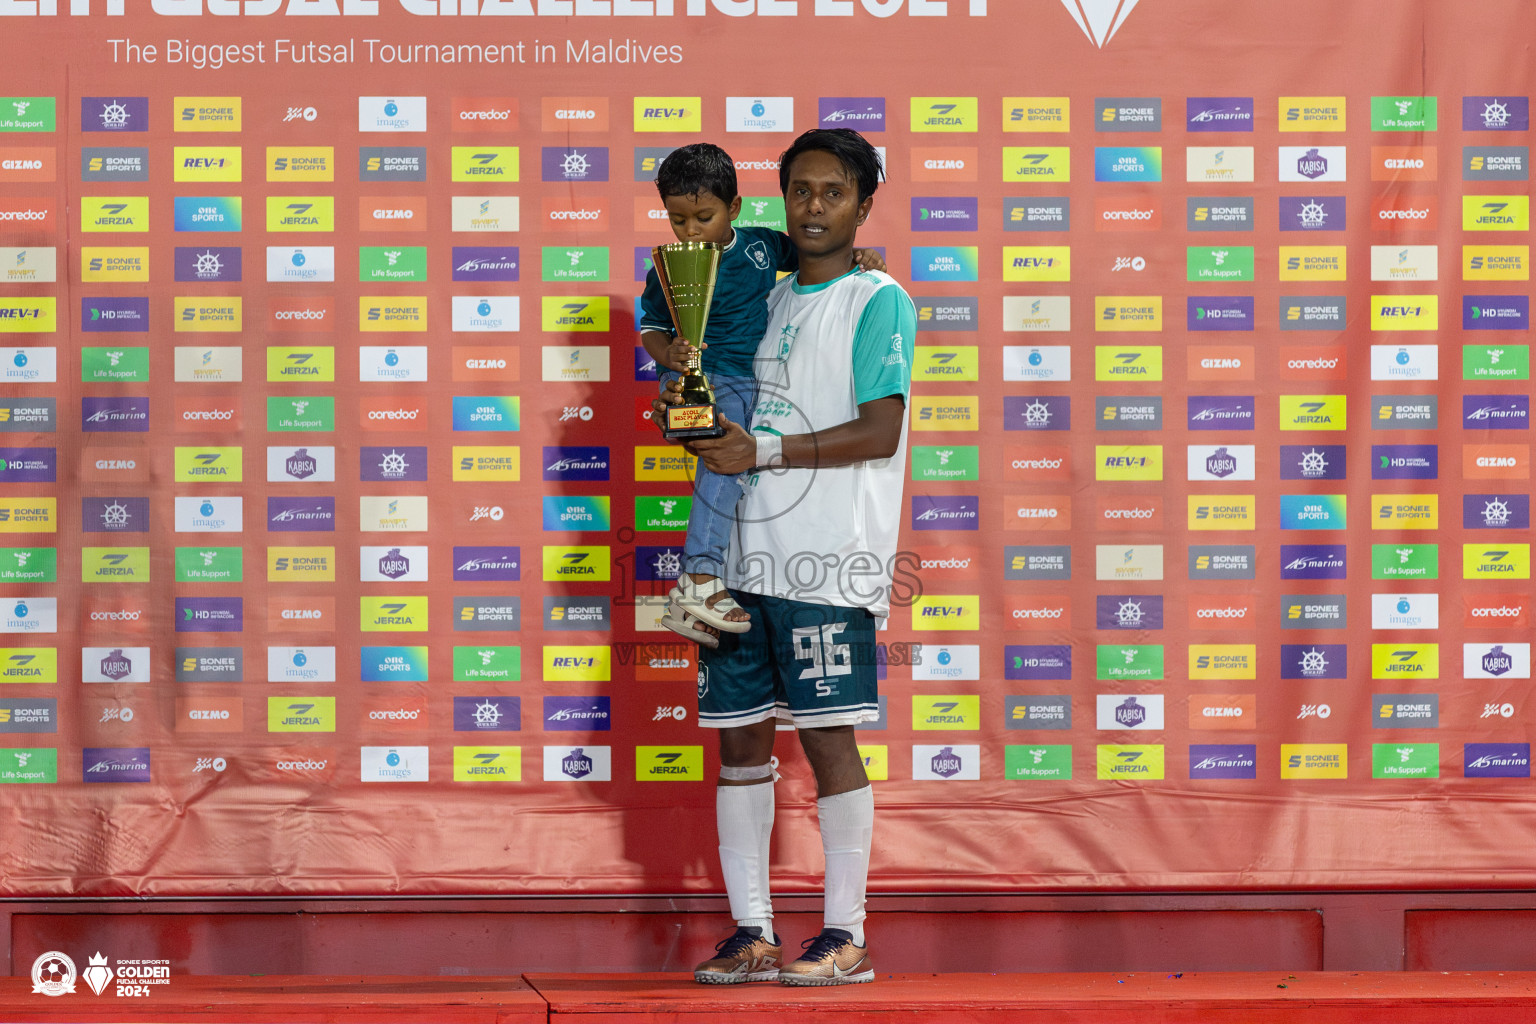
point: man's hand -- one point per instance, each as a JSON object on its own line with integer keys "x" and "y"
{"x": 735, "y": 452}
{"x": 671, "y": 394}
{"x": 679, "y": 354}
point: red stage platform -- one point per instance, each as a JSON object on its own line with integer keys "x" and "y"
{"x": 1150, "y": 998}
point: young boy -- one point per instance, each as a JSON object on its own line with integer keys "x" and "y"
{"x": 698, "y": 187}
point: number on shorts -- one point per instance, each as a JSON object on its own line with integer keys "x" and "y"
{"x": 817, "y": 644}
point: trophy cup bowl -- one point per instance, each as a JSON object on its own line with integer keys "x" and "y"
{"x": 686, "y": 272}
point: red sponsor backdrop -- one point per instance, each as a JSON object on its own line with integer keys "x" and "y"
{"x": 234, "y": 807}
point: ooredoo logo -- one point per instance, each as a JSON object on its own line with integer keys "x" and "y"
{"x": 1222, "y": 611}
{"x": 1127, "y": 215}
{"x": 944, "y": 564}
{"x": 307, "y": 315}
{"x": 1401, "y": 212}
{"x": 484, "y": 114}
{"x": 1496, "y": 611}
{"x": 1138, "y": 512}
{"x": 585, "y": 213}
{"x": 391, "y": 413}
{"x": 1313, "y": 362}
{"x": 209, "y": 415}
{"x": 395, "y": 714}
{"x": 27, "y": 212}
{"x": 1049, "y": 612}
{"x": 1037, "y": 462}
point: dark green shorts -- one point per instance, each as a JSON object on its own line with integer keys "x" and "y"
{"x": 812, "y": 664}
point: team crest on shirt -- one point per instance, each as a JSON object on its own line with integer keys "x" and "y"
{"x": 703, "y": 680}
{"x": 757, "y": 252}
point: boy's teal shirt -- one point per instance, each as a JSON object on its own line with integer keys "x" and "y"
{"x": 738, "y": 315}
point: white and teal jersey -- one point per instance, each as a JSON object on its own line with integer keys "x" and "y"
{"x": 749, "y": 268}
{"x": 827, "y": 535}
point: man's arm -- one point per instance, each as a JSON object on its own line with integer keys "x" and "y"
{"x": 875, "y": 434}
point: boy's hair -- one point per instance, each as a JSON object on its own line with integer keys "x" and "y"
{"x": 852, "y": 150}
{"x": 697, "y": 169}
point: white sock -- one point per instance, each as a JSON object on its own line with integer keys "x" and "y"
{"x": 847, "y": 826}
{"x": 744, "y": 820}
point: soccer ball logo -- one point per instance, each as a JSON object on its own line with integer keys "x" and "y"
{"x": 53, "y": 974}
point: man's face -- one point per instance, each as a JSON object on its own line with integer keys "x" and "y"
{"x": 821, "y": 206}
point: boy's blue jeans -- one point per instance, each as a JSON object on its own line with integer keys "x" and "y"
{"x": 715, "y": 496}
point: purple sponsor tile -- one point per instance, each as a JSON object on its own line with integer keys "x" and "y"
{"x": 114, "y": 515}
{"x": 493, "y": 563}
{"x": 114, "y": 113}
{"x": 1313, "y": 462}
{"x": 658, "y": 563}
{"x": 1495, "y": 113}
{"x": 1312, "y": 213}
{"x": 1223, "y": 761}
{"x": 485, "y": 263}
{"x": 1314, "y": 562}
{"x": 1037, "y": 661}
{"x": 1219, "y": 312}
{"x": 210, "y": 614}
{"x": 1495, "y": 312}
{"x": 1496, "y": 412}
{"x": 115, "y": 764}
{"x": 118, "y": 413}
{"x": 1405, "y": 462}
{"x": 209, "y": 263}
{"x": 29, "y": 465}
{"x": 577, "y": 714}
{"x": 394, "y": 462}
{"x": 99, "y": 314}
{"x": 1218, "y": 114}
{"x": 1497, "y": 760}
{"x": 946, "y": 512}
{"x": 1314, "y": 661}
{"x": 1221, "y": 412}
{"x": 301, "y": 515}
{"x": 861, "y": 113}
{"x": 1128, "y": 611}
{"x": 576, "y": 463}
{"x": 642, "y": 261}
{"x": 574, "y": 163}
{"x": 487, "y": 714}
{"x": 1496, "y": 511}
{"x": 943, "y": 213}
{"x": 1037, "y": 412}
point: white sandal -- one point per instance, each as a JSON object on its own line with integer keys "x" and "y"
{"x": 693, "y": 598}
{"x": 688, "y": 627}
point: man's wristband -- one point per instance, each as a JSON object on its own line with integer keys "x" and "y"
{"x": 770, "y": 451}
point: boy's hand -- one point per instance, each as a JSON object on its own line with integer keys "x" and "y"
{"x": 679, "y": 353}
{"x": 868, "y": 259}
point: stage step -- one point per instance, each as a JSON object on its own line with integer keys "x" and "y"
{"x": 1149, "y": 998}
{"x": 1142, "y": 998}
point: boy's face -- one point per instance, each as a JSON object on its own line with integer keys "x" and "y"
{"x": 822, "y": 206}
{"x": 702, "y": 217}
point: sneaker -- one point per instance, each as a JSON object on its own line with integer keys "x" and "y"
{"x": 830, "y": 958}
{"x": 748, "y": 955}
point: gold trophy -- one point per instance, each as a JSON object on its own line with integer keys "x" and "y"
{"x": 686, "y": 271}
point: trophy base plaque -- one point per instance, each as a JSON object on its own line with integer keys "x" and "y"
{"x": 690, "y": 423}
